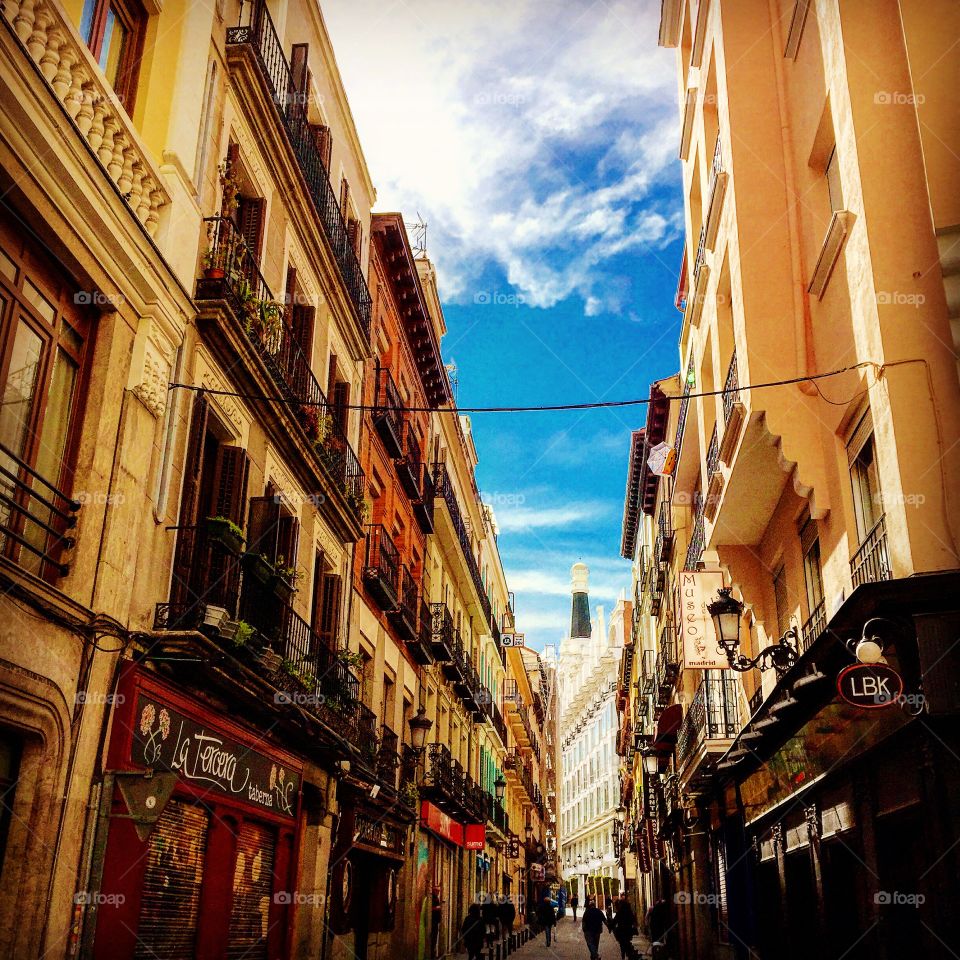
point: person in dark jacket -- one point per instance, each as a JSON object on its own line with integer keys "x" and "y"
{"x": 490, "y": 911}
{"x": 592, "y": 926}
{"x": 659, "y": 920}
{"x": 624, "y": 927}
{"x": 546, "y": 917}
{"x": 508, "y": 914}
{"x": 574, "y": 903}
{"x": 471, "y": 932}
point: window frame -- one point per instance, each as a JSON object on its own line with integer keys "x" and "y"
{"x": 133, "y": 17}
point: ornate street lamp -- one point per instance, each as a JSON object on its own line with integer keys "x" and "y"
{"x": 420, "y": 726}
{"x": 726, "y": 613}
{"x": 621, "y": 813}
{"x": 499, "y": 787}
{"x": 651, "y": 764}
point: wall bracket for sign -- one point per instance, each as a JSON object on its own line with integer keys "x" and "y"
{"x": 146, "y": 794}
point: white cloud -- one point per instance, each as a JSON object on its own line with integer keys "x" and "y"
{"x": 528, "y": 133}
{"x": 517, "y": 519}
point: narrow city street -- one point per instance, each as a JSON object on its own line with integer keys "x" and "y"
{"x": 568, "y": 944}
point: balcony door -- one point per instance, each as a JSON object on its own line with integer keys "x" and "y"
{"x": 44, "y": 334}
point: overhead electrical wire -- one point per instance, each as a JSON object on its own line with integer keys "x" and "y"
{"x": 544, "y": 408}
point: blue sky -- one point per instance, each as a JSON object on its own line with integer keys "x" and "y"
{"x": 538, "y": 140}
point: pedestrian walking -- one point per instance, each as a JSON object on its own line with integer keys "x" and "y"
{"x": 608, "y": 911}
{"x": 490, "y": 912}
{"x": 508, "y": 914}
{"x": 546, "y": 917}
{"x": 624, "y": 927}
{"x": 436, "y": 915}
{"x": 472, "y": 932}
{"x": 574, "y": 903}
{"x": 658, "y": 920}
{"x": 592, "y": 926}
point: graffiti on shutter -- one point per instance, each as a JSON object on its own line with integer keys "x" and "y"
{"x": 171, "y": 885}
{"x": 252, "y": 893}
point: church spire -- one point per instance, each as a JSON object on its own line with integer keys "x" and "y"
{"x": 580, "y": 612}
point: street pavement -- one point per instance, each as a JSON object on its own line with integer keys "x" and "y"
{"x": 568, "y": 944}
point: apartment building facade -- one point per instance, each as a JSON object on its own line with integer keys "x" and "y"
{"x": 209, "y": 706}
{"x": 775, "y": 816}
{"x": 590, "y": 784}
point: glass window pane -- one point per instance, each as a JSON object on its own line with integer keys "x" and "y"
{"x": 114, "y": 41}
{"x": 56, "y": 418}
{"x": 43, "y": 306}
{"x": 86, "y": 19}
{"x": 7, "y": 267}
{"x": 19, "y": 392}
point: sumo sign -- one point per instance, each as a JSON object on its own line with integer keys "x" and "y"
{"x": 870, "y": 686}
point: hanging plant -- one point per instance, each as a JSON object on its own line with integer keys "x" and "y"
{"x": 351, "y": 659}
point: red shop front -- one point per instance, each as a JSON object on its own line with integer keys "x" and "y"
{"x": 215, "y": 876}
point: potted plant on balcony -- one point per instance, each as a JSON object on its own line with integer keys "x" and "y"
{"x": 349, "y": 658}
{"x": 259, "y": 566}
{"x": 229, "y": 189}
{"x": 409, "y": 794}
{"x": 270, "y": 660}
{"x": 244, "y": 634}
{"x": 285, "y": 579}
{"x": 224, "y": 531}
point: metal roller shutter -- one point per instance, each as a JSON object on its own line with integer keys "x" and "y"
{"x": 171, "y": 885}
{"x": 252, "y": 893}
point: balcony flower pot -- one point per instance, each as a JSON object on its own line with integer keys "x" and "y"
{"x": 224, "y": 531}
{"x": 283, "y": 585}
{"x": 213, "y": 273}
{"x": 259, "y": 567}
{"x": 270, "y": 660}
{"x": 215, "y": 617}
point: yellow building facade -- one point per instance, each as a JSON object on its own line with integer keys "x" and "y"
{"x": 817, "y": 142}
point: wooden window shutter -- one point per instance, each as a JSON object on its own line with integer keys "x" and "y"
{"x": 323, "y": 140}
{"x": 183, "y": 558}
{"x": 193, "y": 462}
{"x": 859, "y": 436}
{"x": 344, "y": 195}
{"x": 330, "y": 609}
{"x": 290, "y": 292}
{"x": 288, "y": 537}
{"x": 340, "y": 402}
{"x": 250, "y": 221}
{"x": 353, "y": 235}
{"x": 262, "y": 526}
{"x": 302, "y": 319}
{"x": 230, "y": 483}
{"x": 316, "y": 601}
{"x": 299, "y": 78}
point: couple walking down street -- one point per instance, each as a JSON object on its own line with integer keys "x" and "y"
{"x": 623, "y": 926}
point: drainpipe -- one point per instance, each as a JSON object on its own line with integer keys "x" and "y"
{"x": 805, "y": 359}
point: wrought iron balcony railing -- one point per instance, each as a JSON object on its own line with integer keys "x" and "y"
{"x": 381, "y": 567}
{"x": 260, "y": 35}
{"x": 713, "y": 454}
{"x": 731, "y": 388}
{"x": 388, "y": 757}
{"x": 699, "y": 259}
{"x": 423, "y": 504}
{"x": 664, "y": 544}
{"x": 871, "y": 563}
{"x": 269, "y": 334}
{"x": 445, "y": 637}
{"x": 447, "y": 785}
{"x": 684, "y": 407}
{"x": 388, "y": 413}
{"x": 815, "y": 624}
{"x": 668, "y": 665}
{"x": 421, "y": 645}
{"x": 36, "y": 518}
{"x": 713, "y": 715}
{"x": 444, "y": 489}
{"x": 697, "y": 541}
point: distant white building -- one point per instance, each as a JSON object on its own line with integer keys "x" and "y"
{"x": 590, "y": 786}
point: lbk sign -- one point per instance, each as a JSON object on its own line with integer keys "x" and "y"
{"x": 870, "y": 686}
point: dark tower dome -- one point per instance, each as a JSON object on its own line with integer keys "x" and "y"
{"x": 580, "y": 613}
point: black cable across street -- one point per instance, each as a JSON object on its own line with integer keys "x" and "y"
{"x": 596, "y": 405}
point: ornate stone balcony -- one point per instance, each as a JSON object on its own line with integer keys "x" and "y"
{"x": 48, "y": 36}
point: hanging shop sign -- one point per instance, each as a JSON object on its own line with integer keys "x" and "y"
{"x": 701, "y": 651}
{"x": 537, "y": 872}
{"x": 870, "y": 686}
{"x": 644, "y": 854}
{"x": 514, "y": 847}
{"x": 201, "y": 755}
{"x": 512, "y": 640}
{"x": 378, "y": 835}
{"x": 474, "y": 836}
{"x": 433, "y": 818}
{"x": 662, "y": 460}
